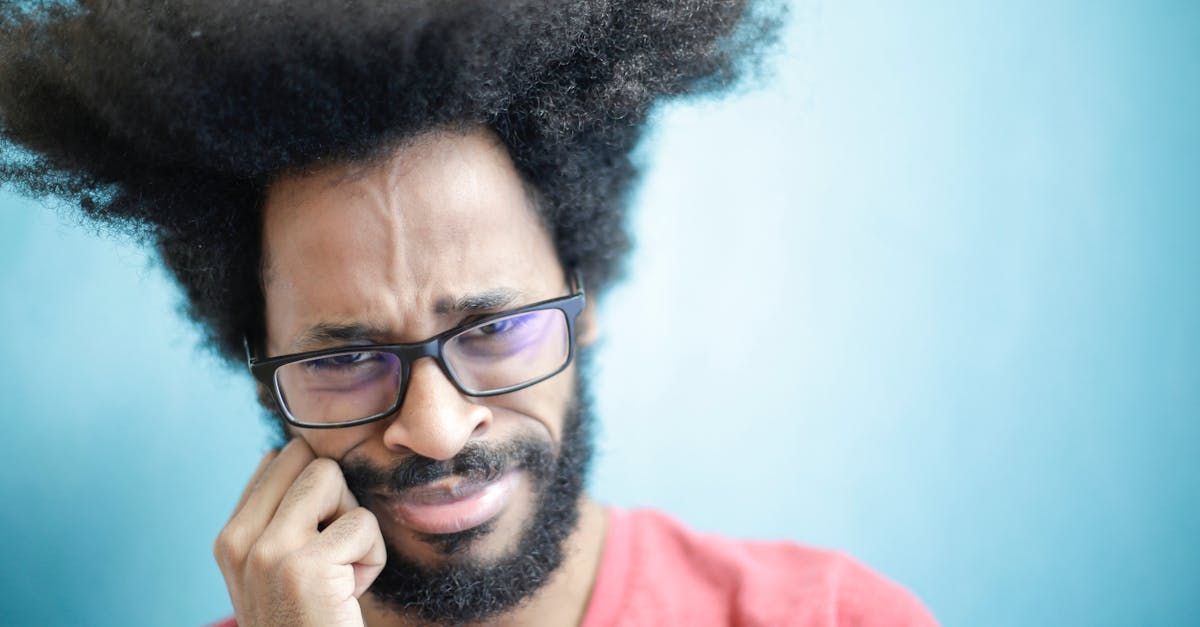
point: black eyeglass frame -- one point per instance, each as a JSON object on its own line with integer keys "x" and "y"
{"x": 264, "y": 370}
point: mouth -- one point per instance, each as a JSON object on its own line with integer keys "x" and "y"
{"x": 453, "y": 504}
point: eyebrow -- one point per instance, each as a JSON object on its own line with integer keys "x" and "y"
{"x": 496, "y": 298}
{"x": 325, "y": 333}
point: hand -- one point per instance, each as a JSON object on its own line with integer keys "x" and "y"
{"x": 280, "y": 566}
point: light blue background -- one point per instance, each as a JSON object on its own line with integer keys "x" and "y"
{"x": 930, "y": 297}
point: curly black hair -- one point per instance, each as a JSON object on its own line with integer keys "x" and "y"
{"x": 169, "y": 119}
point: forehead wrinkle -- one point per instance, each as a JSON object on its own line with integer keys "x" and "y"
{"x": 435, "y": 222}
{"x": 310, "y": 272}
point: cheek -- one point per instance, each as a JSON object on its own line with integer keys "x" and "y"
{"x": 336, "y": 443}
{"x": 546, "y": 402}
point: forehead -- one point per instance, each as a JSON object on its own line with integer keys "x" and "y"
{"x": 444, "y": 216}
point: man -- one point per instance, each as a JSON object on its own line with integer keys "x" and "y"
{"x": 400, "y": 216}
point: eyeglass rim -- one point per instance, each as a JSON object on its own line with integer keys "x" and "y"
{"x": 265, "y": 370}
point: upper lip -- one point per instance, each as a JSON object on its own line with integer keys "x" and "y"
{"x": 445, "y": 490}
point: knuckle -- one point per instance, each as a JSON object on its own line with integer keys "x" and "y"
{"x": 323, "y": 469}
{"x": 351, "y": 524}
{"x": 365, "y": 522}
{"x": 262, "y": 557}
{"x": 364, "y": 518}
{"x": 229, "y": 546}
{"x": 318, "y": 472}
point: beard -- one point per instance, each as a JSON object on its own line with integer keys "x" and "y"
{"x": 465, "y": 590}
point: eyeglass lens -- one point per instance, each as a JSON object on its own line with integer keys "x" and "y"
{"x": 488, "y": 357}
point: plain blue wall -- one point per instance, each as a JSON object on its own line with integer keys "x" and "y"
{"x": 930, "y": 297}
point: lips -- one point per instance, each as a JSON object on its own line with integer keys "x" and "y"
{"x": 452, "y": 505}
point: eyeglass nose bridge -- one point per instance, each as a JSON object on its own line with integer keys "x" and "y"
{"x": 409, "y": 354}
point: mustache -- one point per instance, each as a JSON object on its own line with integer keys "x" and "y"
{"x": 475, "y": 462}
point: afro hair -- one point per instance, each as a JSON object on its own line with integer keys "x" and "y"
{"x": 169, "y": 119}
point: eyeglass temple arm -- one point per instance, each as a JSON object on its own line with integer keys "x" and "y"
{"x": 249, "y": 355}
{"x": 577, "y": 279}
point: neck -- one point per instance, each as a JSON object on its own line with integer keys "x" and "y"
{"x": 562, "y": 601}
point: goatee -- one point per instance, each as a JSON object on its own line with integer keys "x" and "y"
{"x": 462, "y": 589}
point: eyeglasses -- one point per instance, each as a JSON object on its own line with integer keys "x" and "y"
{"x": 498, "y": 354}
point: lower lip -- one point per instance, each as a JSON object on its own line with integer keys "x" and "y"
{"x": 457, "y": 515}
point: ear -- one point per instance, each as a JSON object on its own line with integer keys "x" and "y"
{"x": 587, "y": 325}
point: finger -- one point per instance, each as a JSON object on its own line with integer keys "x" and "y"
{"x": 276, "y": 479}
{"x": 355, "y": 539}
{"x": 318, "y": 495}
{"x": 254, "y": 479}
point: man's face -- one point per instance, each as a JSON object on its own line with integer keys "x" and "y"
{"x": 395, "y": 250}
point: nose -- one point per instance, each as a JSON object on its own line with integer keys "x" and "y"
{"x": 435, "y": 420}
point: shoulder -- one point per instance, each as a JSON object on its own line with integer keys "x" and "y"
{"x": 756, "y": 582}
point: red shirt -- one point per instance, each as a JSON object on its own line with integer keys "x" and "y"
{"x": 656, "y": 572}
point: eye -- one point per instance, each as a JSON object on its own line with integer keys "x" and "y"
{"x": 344, "y": 360}
{"x": 499, "y": 326}
{"x": 504, "y": 329}
{"x": 500, "y": 335}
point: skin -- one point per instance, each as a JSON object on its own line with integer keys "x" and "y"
{"x": 388, "y": 246}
